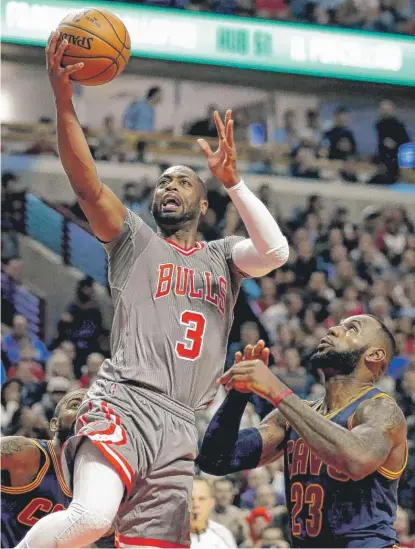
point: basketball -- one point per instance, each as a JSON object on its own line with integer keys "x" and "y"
{"x": 100, "y": 40}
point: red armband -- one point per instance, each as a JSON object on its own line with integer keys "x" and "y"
{"x": 280, "y": 397}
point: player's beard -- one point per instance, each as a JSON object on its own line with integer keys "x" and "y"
{"x": 341, "y": 362}
{"x": 173, "y": 219}
{"x": 65, "y": 432}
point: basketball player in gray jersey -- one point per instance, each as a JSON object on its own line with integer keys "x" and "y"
{"x": 131, "y": 459}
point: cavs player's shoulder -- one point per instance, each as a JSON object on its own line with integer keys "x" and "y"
{"x": 382, "y": 412}
{"x": 18, "y": 451}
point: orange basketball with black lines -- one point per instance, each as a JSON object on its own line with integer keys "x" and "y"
{"x": 100, "y": 40}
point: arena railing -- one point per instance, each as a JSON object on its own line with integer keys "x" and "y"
{"x": 161, "y": 145}
{"x": 64, "y": 234}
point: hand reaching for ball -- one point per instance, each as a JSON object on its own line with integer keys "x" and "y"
{"x": 58, "y": 75}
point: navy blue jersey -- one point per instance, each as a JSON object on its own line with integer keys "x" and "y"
{"x": 22, "y": 507}
{"x": 327, "y": 508}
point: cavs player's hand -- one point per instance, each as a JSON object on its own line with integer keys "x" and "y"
{"x": 58, "y": 75}
{"x": 222, "y": 162}
{"x": 240, "y": 376}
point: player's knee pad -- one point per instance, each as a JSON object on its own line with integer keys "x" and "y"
{"x": 86, "y": 524}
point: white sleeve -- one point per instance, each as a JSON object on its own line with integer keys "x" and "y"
{"x": 267, "y": 249}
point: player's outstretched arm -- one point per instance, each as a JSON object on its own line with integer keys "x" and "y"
{"x": 20, "y": 456}
{"x": 379, "y": 425}
{"x": 267, "y": 248}
{"x": 104, "y": 210}
{"x": 225, "y": 449}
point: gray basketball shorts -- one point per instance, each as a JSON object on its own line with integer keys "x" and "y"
{"x": 151, "y": 441}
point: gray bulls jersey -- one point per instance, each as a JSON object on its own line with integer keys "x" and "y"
{"x": 173, "y": 312}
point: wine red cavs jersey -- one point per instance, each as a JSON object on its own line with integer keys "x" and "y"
{"x": 22, "y": 507}
{"x": 327, "y": 508}
{"x": 173, "y": 312}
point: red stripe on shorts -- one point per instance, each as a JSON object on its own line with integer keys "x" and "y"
{"x": 147, "y": 542}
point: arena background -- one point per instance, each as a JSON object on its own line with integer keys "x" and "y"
{"x": 323, "y": 97}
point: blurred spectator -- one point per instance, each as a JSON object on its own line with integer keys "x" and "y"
{"x": 304, "y": 164}
{"x": 203, "y": 531}
{"x": 348, "y": 171}
{"x": 140, "y": 116}
{"x": 340, "y": 141}
{"x": 294, "y": 375}
{"x": 224, "y": 512}
{"x": 57, "y": 388}
{"x": 249, "y": 336}
{"x": 258, "y": 520}
{"x": 45, "y": 142}
{"x": 137, "y": 197}
{"x": 288, "y": 133}
{"x": 84, "y": 322}
{"x": 402, "y": 528}
{"x": 59, "y": 365}
{"x": 19, "y": 339}
{"x": 91, "y": 369}
{"x": 11, "y": 399}
{"x": 217, "y": 198}
{"x": 311, "y": 132}
{"x": 273, "y": 537}
{"x": 256, "y": 478}
{"x": 11, "y": 278}
{"x": 391, "y": 134}
{"x": 110, "y": 143}
{"x": 205, "y": 127}
{"x": 305, "y": 264}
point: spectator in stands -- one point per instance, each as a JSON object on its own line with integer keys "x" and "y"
{"x": 224, "y": 512}
{"x": 294, "y": 375}
{"x": 57, "y": 388}
{"x": 11, "y": 399}
{"x": 255, "y": 479}
{"x": 393, "y": 238}
{"x": 348, "y": 171}
{"x": 85, "y": 322}
{"x": 339, "y": 142}
{"x": 402, "y": 526}
{"x": 59, "y": 365}
{"x": 217, "y": 198}
{"x": 258, "y": 520}
{"x": 304, "y": 165}
{"x": 305, "y": 264}
{"x": 204, "y": 532}
{"x": 391, "y": 134}
{"x": 140, "y": 116}
{"x": 11, "y": 278}
{"x": 138, "y": 197}
{"x": 68, "y": 347}
{"x": 311, "y": 132}
{"x": 273, "y": 537}
{"x": 20, "y": 338}
{"x": 45, "y": 142}
{"x": 288, "y": 133}
{"x": 110, "y": 142}
{"x": 249, "y": 336}
{"x": 205, "y": 127}
{"x": 91, "y": 369}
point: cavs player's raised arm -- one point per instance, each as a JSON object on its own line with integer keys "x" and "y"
{"x": 267, "y": 248}
{"x": 103, "y": 209}
{"x": 19, "y": 456}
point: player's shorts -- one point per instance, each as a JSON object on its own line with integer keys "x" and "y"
{"x": 151, "y": 441}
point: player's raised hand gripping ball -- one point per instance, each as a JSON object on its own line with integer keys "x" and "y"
{"x": 98, "y": 39}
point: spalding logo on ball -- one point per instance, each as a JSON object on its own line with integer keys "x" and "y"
{"x": 100, "y": 40}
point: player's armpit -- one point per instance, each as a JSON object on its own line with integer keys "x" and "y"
{"x": 272, "y": 430}
{"x": 105, "y": 213}
{"x": 18, "y": 453}
{"x": 379, "y": 425}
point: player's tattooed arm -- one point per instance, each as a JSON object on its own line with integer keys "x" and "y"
{"x": 378, "y": 427}
{"x": 18, "y": 453}
{"x": 272, "y": 430}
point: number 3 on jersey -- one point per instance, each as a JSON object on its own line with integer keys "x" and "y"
{"x": 191, "y": 347}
